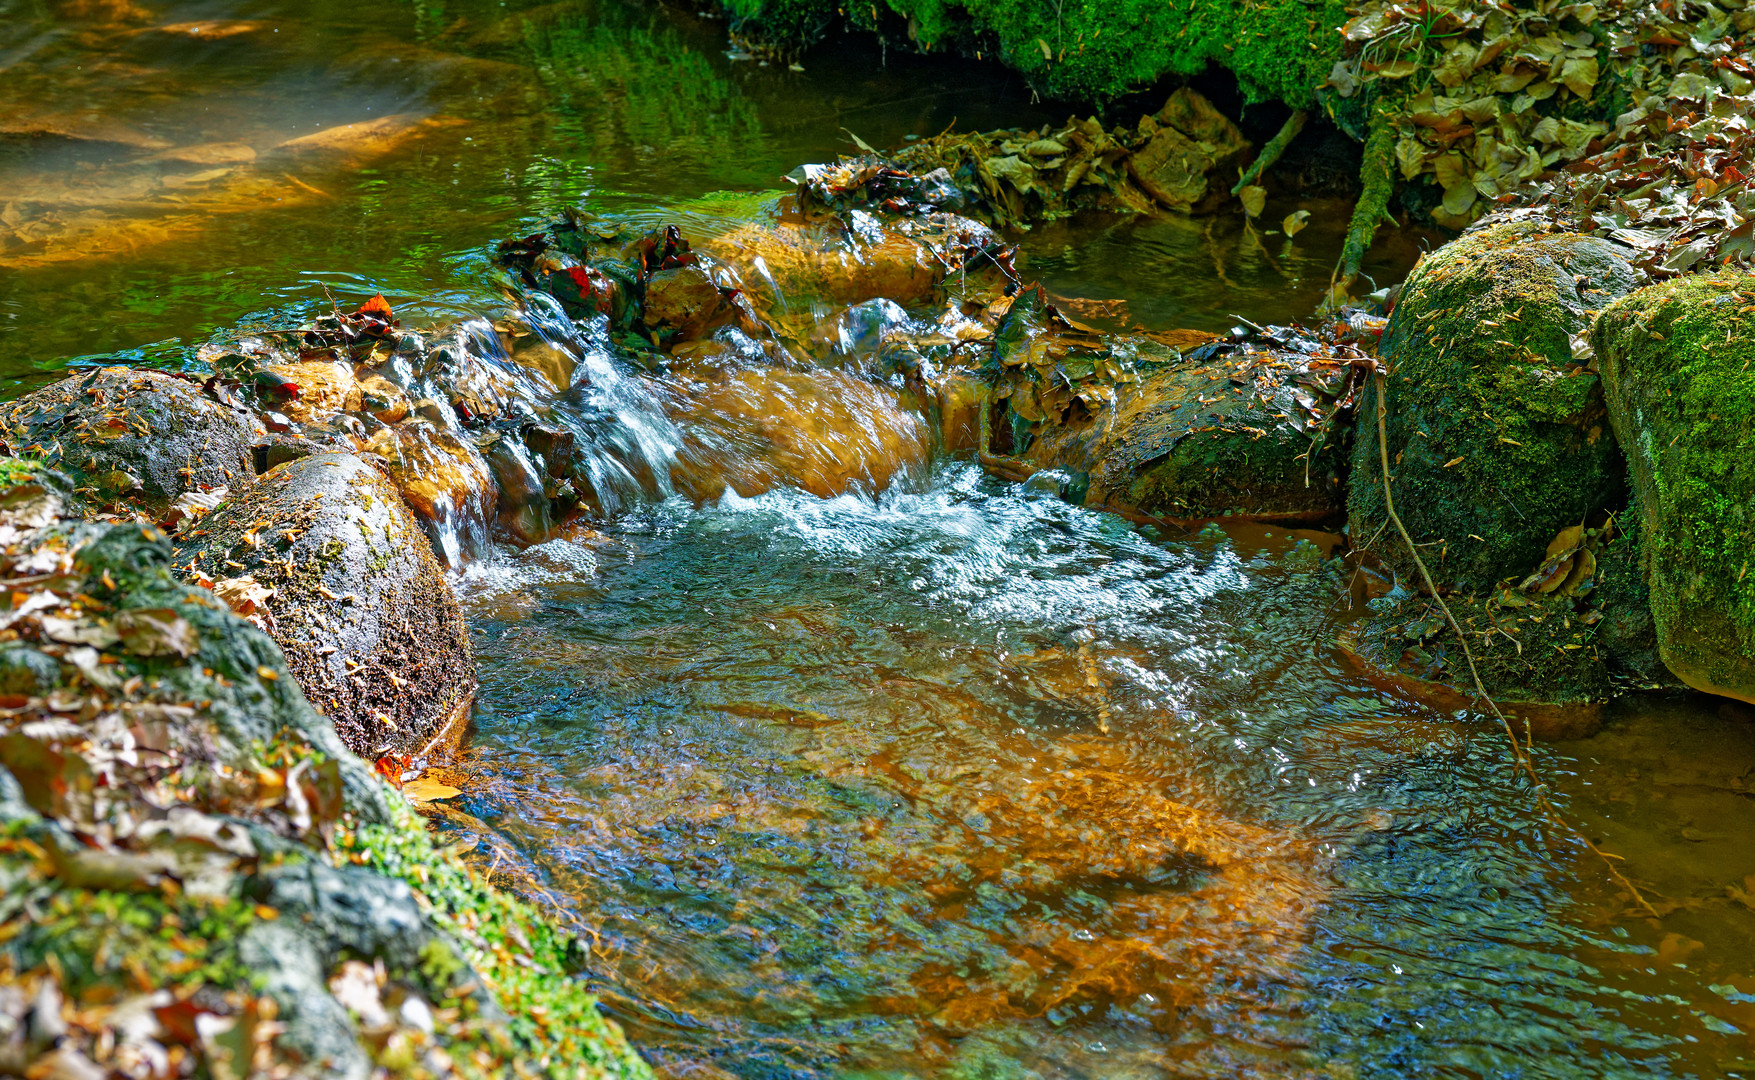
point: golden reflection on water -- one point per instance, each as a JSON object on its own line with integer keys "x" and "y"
{"x": 827, "y": 785}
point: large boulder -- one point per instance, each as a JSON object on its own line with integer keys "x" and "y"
{"x": 1677, "y": 362}
{"x": 1496, "y": 431}
{"x": 353, "y": 596}
{"x": 204, "y": 868}
{"x": 132, "y": 440}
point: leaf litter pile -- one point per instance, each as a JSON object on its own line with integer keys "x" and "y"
{"x": 1676, "y": 188}
{"x": 1485, "y": 98}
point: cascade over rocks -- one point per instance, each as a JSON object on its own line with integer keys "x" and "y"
{"x": 132, "y": 441}
{"x": 1676, "y": 363}
{"x": 352, "y": 594}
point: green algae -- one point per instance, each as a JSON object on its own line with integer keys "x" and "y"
{"x": 1497, "y": 437}
{"x": 1676, "y": 361}
{"x": 1279, "y": 50}
{"x": 1372, "y": 209}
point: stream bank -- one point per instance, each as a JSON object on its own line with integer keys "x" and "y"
{"x": 200, "y": 879}
{"x": 747, "y": 735}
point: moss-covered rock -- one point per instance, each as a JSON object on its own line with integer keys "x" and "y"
{"x": 1497, "y": 436}
{"x": 1628, "y": 635}
{"x": 1540, "y": 662}
{"x": 132, "y": 440}
{"x": 1676, "y": 363}
{"x": 359, "y": 605}
{"x": 1246, "y": 435}
{"x": 194, "y": 869}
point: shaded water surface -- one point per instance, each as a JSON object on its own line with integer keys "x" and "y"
{"x": 167, "y": 166}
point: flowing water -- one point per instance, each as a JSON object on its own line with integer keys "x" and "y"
{"x": 883, "y": 768}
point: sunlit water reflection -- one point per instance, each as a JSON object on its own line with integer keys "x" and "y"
{"x": 963, "y": 782}
{"x": 958, "y": 781}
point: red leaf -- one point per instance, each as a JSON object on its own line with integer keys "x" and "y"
{"x": 378, "y": 306}
{"x": 391, "y": 767}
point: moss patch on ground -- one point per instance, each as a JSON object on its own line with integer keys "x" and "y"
{"x": 1677, "y": 361}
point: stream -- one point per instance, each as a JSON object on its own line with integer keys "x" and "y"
{"x": 923, "y": 774}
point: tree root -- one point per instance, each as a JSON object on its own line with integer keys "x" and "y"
{"x": 1518, "y": 751}
{"x": 1372, "y": 209}
{"x": 1272, "y": 152}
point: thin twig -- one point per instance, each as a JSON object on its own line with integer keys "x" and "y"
{"x": 1523, "y": 760}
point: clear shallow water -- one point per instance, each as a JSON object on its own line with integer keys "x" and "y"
{"x": 967, "y": 782}
{"x": 150, "y": 190}
{"x": 961, "y": 782}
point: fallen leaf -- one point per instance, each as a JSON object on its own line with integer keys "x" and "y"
{"x": 156, "y": 632}
{"x": 1254, "y": 200}
{"x": 1565, "y": 540}
{"x": 79, "y": 631}
{"x": 424, "y": 789}
{"x": 1548, "y": 577}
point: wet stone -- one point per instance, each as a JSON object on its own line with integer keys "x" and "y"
{"x": 1250, "y": 435}
{"x": 524, "y": 504}
{"x": 360, "y": 606}
{"x": 681, "y": 301}
{"x": 132, "y": 440}
{"x": 320, "y": 389}
{"x": 446, "y": 481}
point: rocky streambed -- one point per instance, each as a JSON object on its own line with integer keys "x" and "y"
{"x": 231, "y": 623}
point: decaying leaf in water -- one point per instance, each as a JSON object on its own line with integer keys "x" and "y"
{"x": 1254, "y": 200}
{"x": 425, "y": 789}
{"x": 1295, "y": 222}
{"x": 156, "y": 632}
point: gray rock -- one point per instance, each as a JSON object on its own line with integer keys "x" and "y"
{"x": 132, "y": 439}
{"x": 290, "y": 962}
{"x": 360, "y": 608}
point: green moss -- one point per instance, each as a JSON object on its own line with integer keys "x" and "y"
{"x": 1497, "y": 439}
{"x": 15, "y": 471}
{"x": 1543, "y": 652}
{"x": 529, "y": 965}
{"x": 1280, "y": 50}
{"x": 1372, "y": 208}
{"x": 106, "y": 944}
{"x": 1677, "y": 359}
